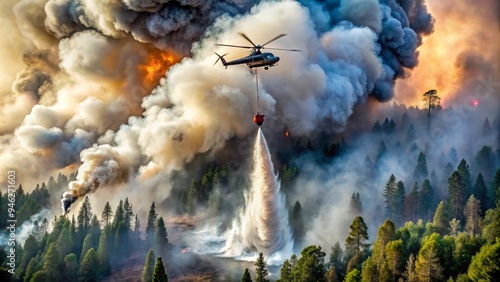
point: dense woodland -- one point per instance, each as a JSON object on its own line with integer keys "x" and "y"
{"x": 440, "y": 223}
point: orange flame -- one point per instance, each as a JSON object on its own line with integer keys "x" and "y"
{"x": 156, "y": 66}
{"x": 286, "y": 133}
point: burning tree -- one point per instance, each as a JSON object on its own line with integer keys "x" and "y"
{"x": 431, "y": 100}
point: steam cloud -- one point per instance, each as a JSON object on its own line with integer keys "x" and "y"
{"x": 263, "y": 225}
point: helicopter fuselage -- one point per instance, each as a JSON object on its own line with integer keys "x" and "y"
{"x": 256, "y": 59}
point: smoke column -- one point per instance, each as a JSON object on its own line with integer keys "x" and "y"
{"x": 264, "y": 223}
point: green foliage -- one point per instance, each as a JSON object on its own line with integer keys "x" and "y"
{"x": 33, "y": 266}
{"x": 427, "y": 265}
{"x": 426, "y": 198}
{"x": 420, "y": 171}
{"x": 286, "y": 272}
{"x": 411, "y": 204}
{"x": 485, "y": 265}
{"x": 70, "y": 268}
{"x": 107, "y": 215}
{"x": 464, "y": 170}
{"x": 103, "y": 254}
{"x": 491, "y": 229}
{"x": 247, "y": 278}
{"x": 87, "y": 245}
{"x": 297, "y": 221}
{"x": 358, "y": 234}
{"x": 335, "y": 262}
{"x": 389, "y": 193}
{"x": 481, "y": 193}
{"x": 52, "y": 263}
{"x": 399, "y": 203}
{"x": 440, "y": 220}
{"x": 484, "y": 162}
{"x": 472, "y": 213}
{"x": 89, "y": 267}
{"x": 159, "y": 274}
{"x": 456, "y": 195}
{"x": 261, "y": 269}
{"x": 353, "y": 276}
{"x": 151, "y": 224}
{"x": 494, "y": 193}
{"x": 311, "y": 265}
{"x": 84, "y": 218}
{"x": 161, "y": 240}
{"x": 147, "y": 272}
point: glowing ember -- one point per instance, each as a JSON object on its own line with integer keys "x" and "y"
{"x": 286, "y": 133}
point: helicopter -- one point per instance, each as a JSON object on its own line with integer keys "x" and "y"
{"x": 254, "y": 60}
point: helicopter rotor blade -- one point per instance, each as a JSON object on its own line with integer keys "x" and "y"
{"x": 281, "y": 49}
{"x": 275, "y": 38}
{"x": 248, "y": 39}
{"x": 236, "y": 46}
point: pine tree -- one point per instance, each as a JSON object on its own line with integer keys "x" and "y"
{"x": 87, "y": 245}
{"x": 421, "y": 167}
{"x": 382, "y": 150}
{"x": 376, "y": 127}
{"x": 151, "y": 224}
{"x": 399, "y": 203}
{"x": 464, "y": 170}
{"x": 297, "y": 221}
{"x": 103, "y": 254}
{"x": 432, "y": 101}
{"x": 52, "y": 264}
{"x": 456, "y": 195}
{"x": 128, "y": 213}
{"x": 411, "y": 273}
{"x": 33, "y": 266}
{"x": 426, "y": 197}
{"x": 485, "y": 265}
{"x": 311, "y": 266}
{"x": 147, "y": 272}
{"x": 247, "y": 278}
{"x": 137, "y": 227}
{"x": 107, "y": 215}
{"x": 410, "y": 134}
{"x": 336, "y": 261}
{"x": 64, "y": 242}
{"x": 161, "y": 240}
{"x": 427, "y": 265}
{"x": 472, "y": 213}
{"x": 70, "y": 268}
{"x": 31, "y": 248}
{"x": 84, "y": 218}
{"x": 494, "y": 193}
{"x": 89, "y": 268}
{"x": 484, "y": 162}
{"x": 454, "y": 227}
{"x": 440, "y": 220}
{"x": 118, "y": 217}
{"x": 159, "y": 274}
{"x": 261, "y": 269}
{"x": 481, "y": 193}
{"x": 411, "y": 204}
{"x": 353, "y": 276}
{"x": 389, "y": 193}
{"x": 358, "y": 234}
{"x": 393, "y": 266}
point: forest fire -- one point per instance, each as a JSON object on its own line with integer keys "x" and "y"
{"x": 158, "y": 62}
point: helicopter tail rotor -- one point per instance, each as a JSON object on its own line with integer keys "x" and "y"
{"x": 221, "y": 58}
